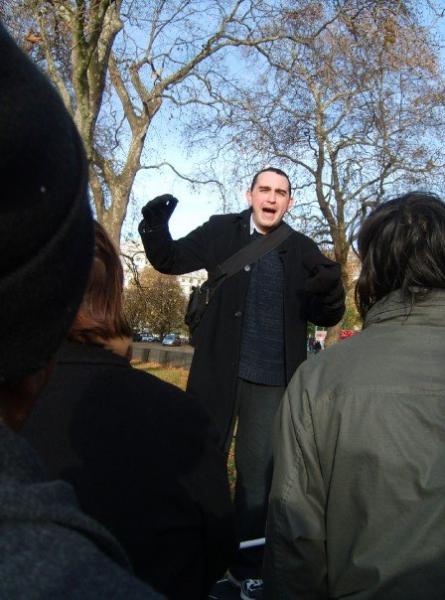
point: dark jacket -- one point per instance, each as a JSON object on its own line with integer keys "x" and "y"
{"x": 217, "y": 340}
{"x": 143, "y": 459}
{"x": 48, "y": 548}
{"x": 357, "y": 507}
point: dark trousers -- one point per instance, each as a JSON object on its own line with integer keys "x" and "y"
{"x": 256, "y": 407}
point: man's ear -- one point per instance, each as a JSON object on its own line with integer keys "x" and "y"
{"x": 17, "y": 401}
{"x": 291, "y": 203}
{"x": 249, "y": 197}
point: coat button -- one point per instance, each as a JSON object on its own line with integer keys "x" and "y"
{"x": 247, "y": 268}
{"x": 238, "y": 313}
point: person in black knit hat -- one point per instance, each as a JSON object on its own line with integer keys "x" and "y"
{"x": 48, "y": 548}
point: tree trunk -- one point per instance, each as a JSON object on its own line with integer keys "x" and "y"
{"x": 333, "y": 335}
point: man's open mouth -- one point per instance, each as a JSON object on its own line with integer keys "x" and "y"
{"x": 270, "y": 211}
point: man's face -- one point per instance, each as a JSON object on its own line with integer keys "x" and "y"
{"x": 269, "y": 199}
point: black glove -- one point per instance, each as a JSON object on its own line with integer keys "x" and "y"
{"x": 324, "y": 278}
{"x": 158, "y": 211}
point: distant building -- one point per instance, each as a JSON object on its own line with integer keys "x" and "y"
{"x": 133, "y": 256}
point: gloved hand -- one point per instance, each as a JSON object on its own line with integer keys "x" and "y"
{"x": 324, "y": 278}
{"x": 158, "y": 211}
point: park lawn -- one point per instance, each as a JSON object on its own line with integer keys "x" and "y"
{"x": 178, "y": 376}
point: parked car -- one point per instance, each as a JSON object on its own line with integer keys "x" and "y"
{"x": 171, "y": 339}
{"x": 137, "y": 337}
{"x": 147, "y": 337}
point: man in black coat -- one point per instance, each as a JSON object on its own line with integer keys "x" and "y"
{"x": 252, "y": 336}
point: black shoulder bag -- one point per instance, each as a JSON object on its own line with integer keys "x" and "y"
{"x": 201, "y": 295}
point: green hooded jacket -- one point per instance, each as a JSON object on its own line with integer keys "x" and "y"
{"x": 357, "y": 507}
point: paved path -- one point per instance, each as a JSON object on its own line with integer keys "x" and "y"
{"x": 156, "y": 346}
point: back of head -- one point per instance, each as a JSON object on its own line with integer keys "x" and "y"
{"x": 402, "y": 247}
{"x": 100, "y": 316}
{"x": 46, "y": 235}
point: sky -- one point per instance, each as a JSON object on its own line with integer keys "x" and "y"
{"x": 193, "y": 208}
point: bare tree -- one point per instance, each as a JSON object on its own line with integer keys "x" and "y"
{"x": 117, "y": 63}
{"x": 355, "y": 113}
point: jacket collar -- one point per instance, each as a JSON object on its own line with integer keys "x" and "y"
{"x": 75, "y": 352}
{"x": 428, "y": 309}
{"x": 243, "y": 217}
{"x": 244, "y": 220}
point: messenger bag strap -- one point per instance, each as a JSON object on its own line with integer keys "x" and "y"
{"x": 252, "y": 252}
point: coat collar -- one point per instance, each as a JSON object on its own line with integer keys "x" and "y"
{"x": 244, "y": 218}
{"x": 428, "y": 309}
{"x": 75, "y": 352}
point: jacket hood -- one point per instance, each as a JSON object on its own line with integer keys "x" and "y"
{"x": 427, "y": 308}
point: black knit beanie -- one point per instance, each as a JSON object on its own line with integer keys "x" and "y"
{"x": 46, "y": 231}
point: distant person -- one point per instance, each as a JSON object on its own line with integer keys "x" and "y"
{"x": 357, "y": 507}
{"x": 48, "y": 547}
{"x": 317, "y": 346}
{"x": 310, "y": 344}
{"x": 142, "y": 456}
{"x": 253, "y": 334}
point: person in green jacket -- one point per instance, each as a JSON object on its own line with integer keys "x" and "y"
{"x": 357, "y": 506}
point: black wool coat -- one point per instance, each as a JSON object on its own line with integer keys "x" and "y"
{"x": 217, "y": 340}
{"x": 144, "y": 460}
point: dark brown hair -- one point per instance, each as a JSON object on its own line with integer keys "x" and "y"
{"x": 272, "y": 170}
{"x": 101, "y": 314}
{"x": 402, "y": 247}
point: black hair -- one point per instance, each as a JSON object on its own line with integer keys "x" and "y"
{"x": 273, "y": 170}
{"x": 402, "y": 246}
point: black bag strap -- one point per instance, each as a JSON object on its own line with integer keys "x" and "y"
{"x": 252, "y": 252}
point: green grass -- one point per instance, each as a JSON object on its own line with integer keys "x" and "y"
{"x": 178, "y": 377}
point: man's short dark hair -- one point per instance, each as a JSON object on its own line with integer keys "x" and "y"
{"x": 402, "y": 246}
{"x": 272, "y": 170}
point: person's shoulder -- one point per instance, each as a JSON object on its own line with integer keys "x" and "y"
{"x": 115, "y": 385}
{"x": 333, "y": 369}
{"x": 228, "y": 218}
{"x": 39, "y": 518}
{"x": 50, "y": 573}
{"x": 148, "y": 383}
{"x": 161, "y": 397}
{"x": 303, "y": 240}
{"x": 127, "y": 413}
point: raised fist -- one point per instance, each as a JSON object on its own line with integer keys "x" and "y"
{"x": 158, "y": 211}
